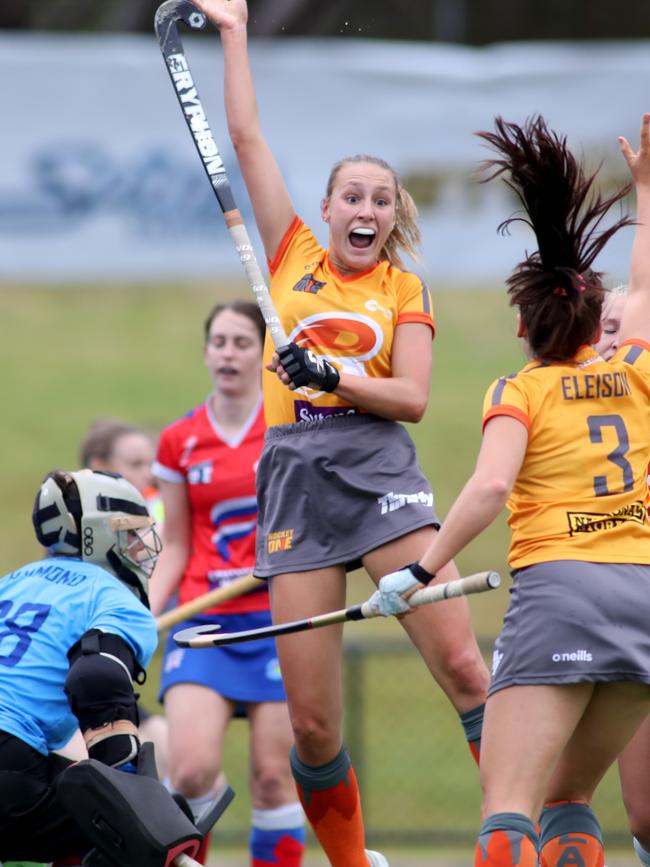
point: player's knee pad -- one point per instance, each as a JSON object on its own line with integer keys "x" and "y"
{"x": 99, "y": 686}
{"x": 130, "y": 819}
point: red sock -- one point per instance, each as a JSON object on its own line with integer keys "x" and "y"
{"x": 335, "y": 815}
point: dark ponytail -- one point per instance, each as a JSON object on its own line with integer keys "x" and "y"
{"x": 558, "y": 293}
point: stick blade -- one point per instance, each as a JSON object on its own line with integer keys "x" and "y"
{"x": 185, "y": 637}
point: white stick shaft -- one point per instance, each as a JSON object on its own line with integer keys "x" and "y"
{"x": 243, "y": 245}
{"x": 184, "y": 860}
{"x": 460, "y": 587}
{"x": 477, "y": 583}
{"x": 197, "y": 637}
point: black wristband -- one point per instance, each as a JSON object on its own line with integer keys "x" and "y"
{"x": 421, "y": 573}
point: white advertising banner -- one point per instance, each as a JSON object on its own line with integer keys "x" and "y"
{"x": 100, "y": 180}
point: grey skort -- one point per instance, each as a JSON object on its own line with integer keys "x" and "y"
{"x": 331, "y": 490}
{"x": 569, "y": 621}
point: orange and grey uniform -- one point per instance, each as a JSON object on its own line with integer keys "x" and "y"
{"x": 580, "y": 547}
{"x": 335, "y": 481}
{"x": 349, "y": 320}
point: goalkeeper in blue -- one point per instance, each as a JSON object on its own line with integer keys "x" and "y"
{"x": 76, "y": 634}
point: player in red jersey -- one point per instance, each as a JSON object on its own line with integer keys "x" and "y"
{"x": 206, "y": 466}
{"x": 339, "y": 484}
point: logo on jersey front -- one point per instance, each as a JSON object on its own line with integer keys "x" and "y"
{"x": 348, "y": 340}
{"x": 200, "y": 474}
{"x": 594, "y": 522}
{"x": 308, "y": 284}
{"x": 188, "y": 447}
{"x": 375, "y": 307}
{"x": 233, "y": 519}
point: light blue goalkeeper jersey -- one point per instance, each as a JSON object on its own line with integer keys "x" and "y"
{"x": 45, "y": 607}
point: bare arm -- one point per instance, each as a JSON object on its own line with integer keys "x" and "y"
{"x": 635, "y": 321}
{"x": 485, "y": 494}
{"x": 269, "y": 196}
{"x": 176, "y": 545}
{"x": 400, "y": 397}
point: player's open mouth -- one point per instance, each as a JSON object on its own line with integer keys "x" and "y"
{"x": 362, "y": 237}
{"x": 227, "y": 371}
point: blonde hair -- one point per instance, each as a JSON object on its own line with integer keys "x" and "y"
{"x": 405, "y": 235}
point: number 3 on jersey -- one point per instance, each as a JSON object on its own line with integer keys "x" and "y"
{"x": 597, "y": 424}
{"x": 16, "y": 637}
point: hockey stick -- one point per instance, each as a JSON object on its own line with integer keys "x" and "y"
{"x": 208, "y": 635}
{"x": 184, "y": 860}
{"x": 207, "y": 600}
{"x": 167, "y": 17}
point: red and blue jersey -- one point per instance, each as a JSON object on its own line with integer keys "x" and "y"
{"x": 219, "y": 473}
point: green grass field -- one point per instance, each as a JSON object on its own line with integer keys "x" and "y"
{"x": 69, "y": 355}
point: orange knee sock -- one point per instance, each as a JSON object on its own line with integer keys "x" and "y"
{"x": 330, "y": 798}
{"x": 506, "y": 840}
{"x": 570, "y": 836}
{"x": 472, "y": 723}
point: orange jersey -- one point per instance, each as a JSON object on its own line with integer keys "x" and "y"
{"x": 582, "y": 491}
{"x": 350, "y": 320}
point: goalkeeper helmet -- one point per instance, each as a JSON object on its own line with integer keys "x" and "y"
{"x": 100, "y": 518}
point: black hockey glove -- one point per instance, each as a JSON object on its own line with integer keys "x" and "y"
{"x": 304, "y": 367}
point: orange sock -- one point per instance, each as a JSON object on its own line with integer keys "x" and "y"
{"x": 472, "y": 723}
{"x": 475, "y": 750}
{"x": 506, "y": 840}
{"x": 329, "y": 795}
{"x": 570, "y": 836}
{"x": 573, "y": 850}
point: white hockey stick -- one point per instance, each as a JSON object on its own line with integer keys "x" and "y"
{"x": 209, "y": 635}
{"x": 167, "y": 17}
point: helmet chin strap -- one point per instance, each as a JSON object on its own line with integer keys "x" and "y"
{"x": 127, "y": 576}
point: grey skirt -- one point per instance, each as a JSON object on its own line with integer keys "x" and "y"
{"x": 569, "y": 621}
{"x": 331, "y": 490}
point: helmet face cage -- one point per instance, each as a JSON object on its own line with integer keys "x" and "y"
{"x": 117, "y": 532}
{"x": 139, "y": 546}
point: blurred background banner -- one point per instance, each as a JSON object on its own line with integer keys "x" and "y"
{"x": 100, "y": 180}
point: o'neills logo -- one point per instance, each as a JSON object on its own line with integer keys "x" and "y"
{"x": 195, "y": 115}
{"x": 573, "y": 656}
{"x": 594, "y": 522}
